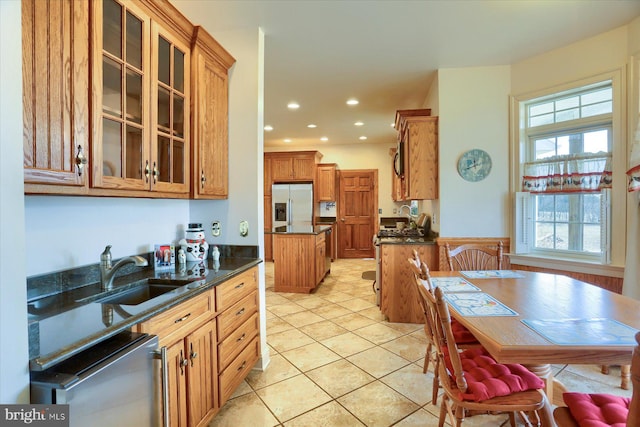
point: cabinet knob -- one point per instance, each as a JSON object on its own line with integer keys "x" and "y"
{"x": 192, "y": 355}
{"x": 156, "y": 174}
{"x": 146, "y": 171}
{"x": 81, "y": 160}
{"x": 202, "y": 179}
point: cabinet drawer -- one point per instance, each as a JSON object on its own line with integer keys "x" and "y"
{"x": 237, "y": 314}
{"x": 320, "y": 238}
{"x": 231, "y": 377}
{"x": 180, "y": 320}
{"x": 235, "y": 342}
{"x": 235, "y": 288}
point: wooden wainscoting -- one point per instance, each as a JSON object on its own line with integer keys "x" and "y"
{"x": 454, "y": 242}
{"x": 613, "y": 284}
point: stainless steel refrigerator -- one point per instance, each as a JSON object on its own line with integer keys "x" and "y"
{"x": 292, "y": 204}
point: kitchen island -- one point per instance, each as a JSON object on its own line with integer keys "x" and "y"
{"x": 300, "y": 257}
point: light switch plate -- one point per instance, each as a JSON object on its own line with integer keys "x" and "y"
{"x": 244, "y": 228}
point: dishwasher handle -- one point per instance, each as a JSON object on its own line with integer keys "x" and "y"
{"x": 162, "y": 355}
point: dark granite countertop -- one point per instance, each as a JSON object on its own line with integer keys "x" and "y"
{"x": 405, "y": 240}
{"x": 299, "y": 229}
{"x": 66, "y": 323}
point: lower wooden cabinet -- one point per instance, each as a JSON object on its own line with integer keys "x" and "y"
{"x": 212, "y": 342}
{"x": 399, "y": 300}
{"x": 300, "y": 262}
{"x": 192, "y": 371}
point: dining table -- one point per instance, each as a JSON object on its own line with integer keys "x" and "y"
{"x": 539, "y": 319}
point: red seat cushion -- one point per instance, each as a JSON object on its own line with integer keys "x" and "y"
{"x": 487, "y": 378}
{"x": 598, "y": 410}
{"x": 461, "y": 334}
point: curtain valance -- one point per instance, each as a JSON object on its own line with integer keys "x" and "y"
{"x": 568, "y": 174}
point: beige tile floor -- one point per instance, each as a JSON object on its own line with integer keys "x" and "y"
{"x": 336, "y": 362}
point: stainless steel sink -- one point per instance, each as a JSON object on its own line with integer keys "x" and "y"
{"x": 142, "y": 291}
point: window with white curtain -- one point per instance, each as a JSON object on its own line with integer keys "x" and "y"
{"x": 564, "y": 204}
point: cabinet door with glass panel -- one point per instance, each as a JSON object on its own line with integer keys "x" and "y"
{"x": 138, "y": 93}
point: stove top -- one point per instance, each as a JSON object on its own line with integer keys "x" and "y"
{"x": 407, "y": 232}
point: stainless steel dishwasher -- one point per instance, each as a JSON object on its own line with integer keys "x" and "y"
{"x": 109, "y": 384}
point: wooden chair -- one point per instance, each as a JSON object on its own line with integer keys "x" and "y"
{"x": 600, "y": 404}
{"x": 474, "y": 257}
{"x": 463, "y": 337}
{"x": 470, "y": 388}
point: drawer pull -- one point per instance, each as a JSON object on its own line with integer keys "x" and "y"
{"x": 239, "y": 286}
{"x": 240, "y": 312}
{"x": 241, "y": 367}
{"x": 241, "y": 338}
{"x": 183, "y": 318}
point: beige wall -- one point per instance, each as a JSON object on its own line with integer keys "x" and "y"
{"x": 473, "y": 110}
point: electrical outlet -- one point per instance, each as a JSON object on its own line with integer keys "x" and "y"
{"x": 216, "y": 228}
{"x": 434, "y": 219}
{"x": 380, "y": 211}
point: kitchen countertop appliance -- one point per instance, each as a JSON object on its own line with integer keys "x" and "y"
{"x": 109, "y": 384}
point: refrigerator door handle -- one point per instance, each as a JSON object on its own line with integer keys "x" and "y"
{"x": 290, "y": 211}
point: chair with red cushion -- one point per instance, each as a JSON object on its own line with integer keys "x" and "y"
{"x": 474, "y": 382}
{"x": 464, "y": 338}
{"x": 603, "y": 410}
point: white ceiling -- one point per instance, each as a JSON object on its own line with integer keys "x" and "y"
{"x": 385, "y": 53}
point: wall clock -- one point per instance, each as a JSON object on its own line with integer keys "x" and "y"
{"x": 474, "y": 165}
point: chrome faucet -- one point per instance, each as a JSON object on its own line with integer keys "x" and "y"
{"x": 409, "y": 216}
{"x": 107, "y": 271}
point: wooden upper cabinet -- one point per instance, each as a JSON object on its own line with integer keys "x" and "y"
{"x": 140, "y": 98}
{"x": 419, "y": 132}
{"x": 326, "y": 182}
{"x": 294, "y": 166}
{"x": 210, "y": 110}
{"x": 55, "y": 78}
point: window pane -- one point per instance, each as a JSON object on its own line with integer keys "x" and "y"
{"x": 111, "y": 87}
{"x": 111, "y": 148}
{"x": 178, "y": 116}
{"x": 596, "y": 141}
{"x": 538, "y": 109}
{"x": 568, "y": 103}
{"x": 591, "y": 209}
{"x": 545, "y": 208}
{"x": 164, "y": 107}
{"x": 591, "y": 241}
{"x": 544, "y": 235}
{"x": 112, "y": 28}
{"x": 134, "y": 153}
{"x": 563, "y": 116}
{"x": 178, "y": 162}
{"x": 563, "y": 146}
{"x": 544, "y": 148}
{"x": 597, "y": 96}
{"x": 164, "y": 158}
{"x": 561, "y": 208}
{"x": 595, "y": 109}
{"x": 134, "y": 97}
{"x": 562, "y": 237}
{"x": 178, "y": 66}
{"x": 541, "y": 120}
{"x": 134, "y": 41}
{"x": 164, "y": 61}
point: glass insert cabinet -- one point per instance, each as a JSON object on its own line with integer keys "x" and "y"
{"x": 140, "y": 93}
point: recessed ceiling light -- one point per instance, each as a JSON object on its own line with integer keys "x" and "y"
{"x": 311, "y": 126}
{"x": 324, "y": 139}
{"x": 293, "y": 105}
{"x": 362, "y": 138}
{"x": 359, "y": 123}
{"x": 268, "y": 128}
{"x": 287, "y": 140}
{"x": 352, "y": 101}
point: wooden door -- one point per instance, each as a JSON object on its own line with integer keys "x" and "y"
{"x": 176, "y": 372}
{"x": 55, "y": 75}
{"x": 202, "y": 374}
{"x": 358, "y": 206}
{"x": 209, "y": 113}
